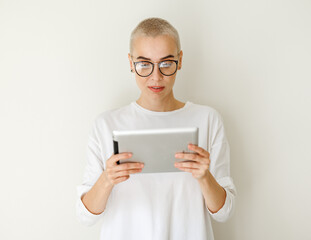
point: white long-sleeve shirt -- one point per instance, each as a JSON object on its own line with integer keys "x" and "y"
{"x": 157, "y": 205}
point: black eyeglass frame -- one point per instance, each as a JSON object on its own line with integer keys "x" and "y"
{"x": 176, "y": 61}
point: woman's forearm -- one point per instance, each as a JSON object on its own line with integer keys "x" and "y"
{"x": 96, "y": 198}
{"x": 214, "y": 194}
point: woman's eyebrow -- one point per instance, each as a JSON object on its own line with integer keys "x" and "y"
{"x": 168, "y": 56}
{"x": 141, "y": 57}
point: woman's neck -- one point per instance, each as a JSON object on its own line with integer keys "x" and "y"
{"x": 161, "y": 106}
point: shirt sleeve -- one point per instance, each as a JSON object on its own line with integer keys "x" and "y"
{"x": 220, "y": 169}
{"x": 93, "y": 170}
{"x": 227, "y": 209}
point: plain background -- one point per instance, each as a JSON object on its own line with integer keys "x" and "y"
{"x": 64, "y": 62}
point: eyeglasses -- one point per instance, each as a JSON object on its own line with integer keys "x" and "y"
{"x": 166, "y": 67}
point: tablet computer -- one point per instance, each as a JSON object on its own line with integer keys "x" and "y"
{"x": 156, "y": 148}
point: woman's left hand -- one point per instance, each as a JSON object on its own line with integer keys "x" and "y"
{"x": 198, "y": 163}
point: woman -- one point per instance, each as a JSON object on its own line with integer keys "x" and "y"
{"x": 159, "y": 205}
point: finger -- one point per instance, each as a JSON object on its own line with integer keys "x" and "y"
{"x": 195, "y": 173}
{"x": 192, "y": 165}
{"x": 190, "y": 156}
{"x": 126, "y": 172}
{"x": 190, "y": 170}
{"x": 128, "y": 166}
{"x": 199, "y": 150}
{"x": 120, "y": 156}
{"x": 121, "y": 179}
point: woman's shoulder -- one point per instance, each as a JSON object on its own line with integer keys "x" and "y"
{"x": 113, "y": 112}
{"x": 204, "y": 109}
{"x": 107, "y": 118}
{"x": 213, "y": 117}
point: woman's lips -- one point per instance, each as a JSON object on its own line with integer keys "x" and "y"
{"x": 156, "y": 89}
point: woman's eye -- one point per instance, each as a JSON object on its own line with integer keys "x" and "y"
{"x": 165, "y": 64}
{"x": 144, "y": 65}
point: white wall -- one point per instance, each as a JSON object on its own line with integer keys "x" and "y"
{"x": 63, "y": 62}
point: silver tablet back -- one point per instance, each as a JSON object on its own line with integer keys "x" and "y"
{"x": 155, "y": 147}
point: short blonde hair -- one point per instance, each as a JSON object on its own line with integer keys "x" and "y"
{"x": 153, "y": 27}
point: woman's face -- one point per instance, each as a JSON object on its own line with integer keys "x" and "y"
{"x": 155, "y": 49}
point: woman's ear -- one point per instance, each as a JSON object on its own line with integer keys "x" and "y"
{"x": 131, "y": 62}
{"x": 180, "y": 60}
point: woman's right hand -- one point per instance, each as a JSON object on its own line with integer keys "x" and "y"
{"x": 116, "y": 173}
